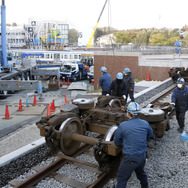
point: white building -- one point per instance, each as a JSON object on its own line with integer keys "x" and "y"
{"x": 106, "y": 40}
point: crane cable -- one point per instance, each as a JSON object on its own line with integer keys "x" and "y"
{"x": 109, "y": 26}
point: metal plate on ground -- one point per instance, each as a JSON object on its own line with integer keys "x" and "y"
{"x": 33, "y": 110}
{"x": 78, "y": 86}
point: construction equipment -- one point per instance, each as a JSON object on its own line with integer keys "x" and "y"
{"x": 89, "y": 44}
{"x": 66, "y": 130}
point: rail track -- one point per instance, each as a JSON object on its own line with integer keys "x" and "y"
{"x": 102, "y": 175}
{"x": 51, "y": 171}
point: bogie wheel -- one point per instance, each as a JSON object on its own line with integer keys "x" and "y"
{"x": 67, "y": 128}
{"x": 109, "y": 136}
{"x": 115, "y": 103}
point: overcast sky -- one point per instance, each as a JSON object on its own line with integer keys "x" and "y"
{"x": 83, "y": 14}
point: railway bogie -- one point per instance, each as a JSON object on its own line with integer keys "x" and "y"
{"x": 65, "y": 131}
{"x": 177, "y": 72}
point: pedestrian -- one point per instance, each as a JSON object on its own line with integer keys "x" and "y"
{"x": 176, "y": 45}
{"x": 129, "y": 80}
{"x": 180, "y": 101}
{"x": 133, "y": 135}
{"x": 118, "y": 86}
{"x": 105, "y": 81}
{"x": 180, "y": 46}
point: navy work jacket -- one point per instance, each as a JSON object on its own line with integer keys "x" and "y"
{"x": 180, "y": 98}
{"x": 118, "y": 88}
{"x": 133, "y": 134}
{"x": 129, "y": 80}
{"x": 105, "y": 81}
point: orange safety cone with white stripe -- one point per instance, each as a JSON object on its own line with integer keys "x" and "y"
{"x": 52, "y": 107}
{"x": 68, "y": 82}
{"x": 7, "y": 115}
{"x": 48, "y": 110}
{"x": 92, "y": 82}
{"x": 35, "y": 100}
{"x": 20, "y": 106}
{"x": 66, "y": 100}
{"x": 148, "y": 77}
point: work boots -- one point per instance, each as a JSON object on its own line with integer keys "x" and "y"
{"x": 144, "y": 186}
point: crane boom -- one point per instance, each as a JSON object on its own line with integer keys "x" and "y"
{"x": 89, "y": 44}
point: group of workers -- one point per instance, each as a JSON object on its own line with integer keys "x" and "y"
{"x": 132, "y": 135}
{"x": 178, "y": 46}
{"x": 122, "y": 86}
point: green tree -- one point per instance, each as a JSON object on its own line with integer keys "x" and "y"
{"x": 73, "y": 36}
{"x": 158, "y": 39}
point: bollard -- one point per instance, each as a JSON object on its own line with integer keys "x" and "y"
{"x": 27, "y": 101}
{"x": 39, "y": 90}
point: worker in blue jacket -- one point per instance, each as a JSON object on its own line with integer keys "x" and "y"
{"x": 105, "y": 81}
{"x": 176, "y": 45}
{"x": 180, "y": 101}
{"x": 180, "y": 46}
{"x": 129, "y": 80}
{"x": 118, "y": 86}
{"x": 133, "y": 135}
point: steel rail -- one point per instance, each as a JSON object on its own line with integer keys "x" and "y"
{"x": 41, "y": 174}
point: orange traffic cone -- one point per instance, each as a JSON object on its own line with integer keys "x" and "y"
{"x": 7, "y": 116}
{"x": 92, "y": 82}
{"x": 52, "y": 107}
{"x": 66, "y": 100}
{"x": 48, "y": 110}
{"x": 68, "y": 82}
{"x": 20, "y": 106}
{"x": 148, "y": 78}
{"x": 35, "y": 100}
{"x": 63, "y": 81}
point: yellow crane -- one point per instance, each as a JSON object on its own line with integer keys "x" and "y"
{"x": 89, "y": 44}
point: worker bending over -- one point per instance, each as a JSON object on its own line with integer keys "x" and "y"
{"x": 133, "y": 135}
{"x": 118, "y": 86}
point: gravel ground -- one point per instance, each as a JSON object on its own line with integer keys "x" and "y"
{"x": 22, "y": 165}
{"x": 166, "y": 165}
{"x": 20, "y": 138}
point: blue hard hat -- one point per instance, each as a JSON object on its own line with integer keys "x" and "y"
{"x": 133, "y": 108}
{"x": 103, "y": 69}
{"x": 119, "y": 76}
{"x": 180, "y": 81}
{"x": 126, "y": 70}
